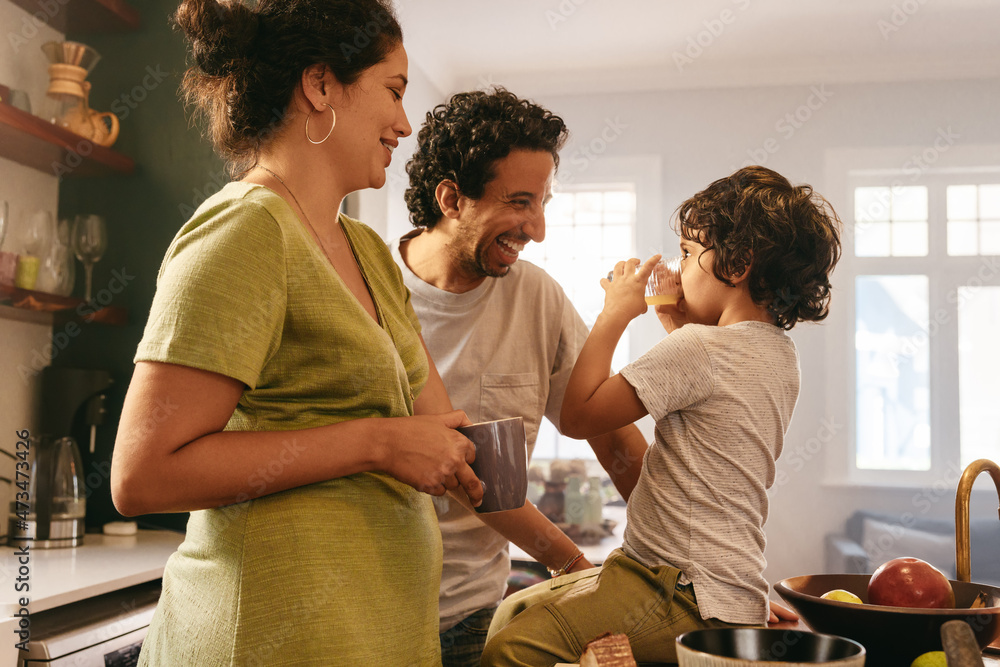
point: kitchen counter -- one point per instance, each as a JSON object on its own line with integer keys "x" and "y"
{"x": 103, "y": 564}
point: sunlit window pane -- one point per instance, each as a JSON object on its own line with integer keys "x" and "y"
{"x": 587, "y": 231}
{"x": 559, "y": 211}
{"x": 559, "y": 237}
{"x": 963, "y": 238}
{"x": 872, "y": 239}
{"x": 989, "y": 237}
{"x": 617, "y": 217}
{"x": 871, "y": 204}
{"x": 989, "y": 202}
{"x": 980, "y": 206}
{"x": 588, "y": 241}
{"x": 589, "y": 201}
{"x": 619, "y": 201}
{"x": 979, "y": 370}
{"x": 890, "y": 221}
{"x": 892, "y": 372}
{"x": 962, "y": 202}
{"x": 909, "y": 203}
{"x": 617, "y": 241}
{"x": 909, "y": 239}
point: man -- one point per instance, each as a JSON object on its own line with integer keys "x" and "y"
{"x": 502, "y": 333}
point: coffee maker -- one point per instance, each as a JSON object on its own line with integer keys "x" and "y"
{"x": 56, "y": 490}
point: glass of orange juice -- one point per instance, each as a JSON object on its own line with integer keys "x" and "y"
{"x": 664, "y": 285}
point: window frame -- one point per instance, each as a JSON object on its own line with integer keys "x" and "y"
{"x": 644, "y": 174}
{"x": 847, "y": 169}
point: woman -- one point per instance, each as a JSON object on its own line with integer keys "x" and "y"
{"x": 273, "y": 394}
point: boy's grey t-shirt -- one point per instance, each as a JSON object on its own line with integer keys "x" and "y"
{"x": 722, "y": 398}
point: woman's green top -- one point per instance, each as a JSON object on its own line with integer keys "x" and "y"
{"x": 343, "y": 572}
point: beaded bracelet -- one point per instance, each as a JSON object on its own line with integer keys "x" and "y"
{"x": 566, "y": 568}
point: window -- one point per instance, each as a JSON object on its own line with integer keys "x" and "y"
{"x": 587, "y": 229}
{"x": 974, "y": 219}
{"x": 918, "y": 292}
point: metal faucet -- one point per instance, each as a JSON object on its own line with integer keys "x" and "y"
{"x": 963, "y": 548}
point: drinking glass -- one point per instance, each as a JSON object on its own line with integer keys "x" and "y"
{"x": 35, "y": 245}
{"x": 90, "y": 239}
{"x": 664, "y": 285}
{"x": 58, "y": 268}
{"x": 8, "y": 260}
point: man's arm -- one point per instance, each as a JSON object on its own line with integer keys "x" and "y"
{"x": 620, "y": 453}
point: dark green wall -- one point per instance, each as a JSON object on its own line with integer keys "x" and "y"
{"x": 137, "y": 78}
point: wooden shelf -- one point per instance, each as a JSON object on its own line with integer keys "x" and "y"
{"x": 86, "y": 16}
{"x": 54, "y": 150}
{"x": 43, "y": 308}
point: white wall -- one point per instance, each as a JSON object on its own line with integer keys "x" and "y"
{"x": 704, "y": 135}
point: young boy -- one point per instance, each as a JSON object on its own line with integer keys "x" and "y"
{"x": 757, "y": 255}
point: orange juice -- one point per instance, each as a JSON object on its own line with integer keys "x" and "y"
{"x": 663, "y": 299}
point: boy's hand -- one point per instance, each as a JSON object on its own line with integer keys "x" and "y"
{"x": 672, "y": 316}
{"x": 624, "y": 294}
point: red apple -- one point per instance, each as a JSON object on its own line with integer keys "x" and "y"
{"x": 910, "y": 582}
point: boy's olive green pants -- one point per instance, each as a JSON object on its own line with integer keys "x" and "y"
{"x": 552, "y": 621}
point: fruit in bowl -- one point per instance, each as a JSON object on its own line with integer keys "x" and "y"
{"x": 840, "y": 595}
{"x": 893, "y": 636}
{"x": 910, "y": 582}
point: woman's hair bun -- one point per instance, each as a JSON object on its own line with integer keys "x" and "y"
{"x": 222, "y": 34}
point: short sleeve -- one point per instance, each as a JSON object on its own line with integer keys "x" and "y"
{"x": 221, "y": 294}
{"x": 675, "y": 374}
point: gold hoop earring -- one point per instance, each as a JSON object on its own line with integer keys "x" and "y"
{"x": 332, "y": 125}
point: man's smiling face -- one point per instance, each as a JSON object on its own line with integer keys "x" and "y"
{"x": 493, "y": 229}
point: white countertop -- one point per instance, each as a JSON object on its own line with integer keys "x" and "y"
{"x": 103, "y": 564}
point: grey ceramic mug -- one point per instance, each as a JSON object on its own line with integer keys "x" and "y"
{"x": 501, "y": 463}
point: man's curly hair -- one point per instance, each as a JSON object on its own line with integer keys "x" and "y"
{"x": 462, "y": 140}
{"x": 788, "y": 235}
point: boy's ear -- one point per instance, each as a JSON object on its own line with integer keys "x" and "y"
{"x": 447, "y": 195}
{"x": 737, "y": 278}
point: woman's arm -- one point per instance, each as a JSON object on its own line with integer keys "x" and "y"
{"x": 594, "y": 403}
{"x": 171, "y": 454}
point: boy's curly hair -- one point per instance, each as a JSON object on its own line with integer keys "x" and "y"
{"x": 788, "y": 235}
{"x": 462, "y": 140}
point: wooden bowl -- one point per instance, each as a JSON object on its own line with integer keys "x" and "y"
{"x": 892, "y": 635}
{"x": 745, "y": 647}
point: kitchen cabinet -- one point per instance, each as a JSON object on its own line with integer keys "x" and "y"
{"x": 33, "y": 142}
{"x": 54, "y": 310}
{"x": 39, "y": 144}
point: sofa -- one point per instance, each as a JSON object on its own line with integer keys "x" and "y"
{"x": 871, "y": 538}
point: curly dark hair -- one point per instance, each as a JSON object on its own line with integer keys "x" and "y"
{"x": 248, "y": 61}
{"x": 462, "y": 140}
{"x": 788, "y": 235}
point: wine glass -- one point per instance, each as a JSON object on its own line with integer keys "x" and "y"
{"x": 90, "y": 239}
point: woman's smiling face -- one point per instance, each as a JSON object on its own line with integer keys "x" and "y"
{"x": 370, "y": 122}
